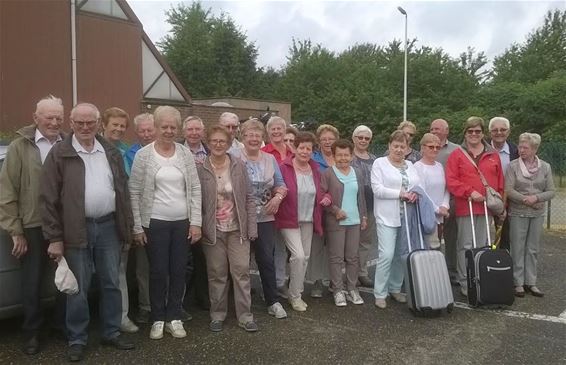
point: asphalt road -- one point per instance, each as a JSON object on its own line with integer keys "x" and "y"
{"x": 533, "y": 331}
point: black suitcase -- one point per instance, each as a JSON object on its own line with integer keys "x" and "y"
{"x": 489, "y": 271}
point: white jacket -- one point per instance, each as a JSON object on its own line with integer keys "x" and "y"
{"x": 386, "y": 185}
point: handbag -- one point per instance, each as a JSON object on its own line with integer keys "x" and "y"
{"x": 493, "y": 199}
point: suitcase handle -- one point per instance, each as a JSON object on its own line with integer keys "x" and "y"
{"x": 407, "y": 226}
{"x": 419, "y": 227}
{"x": 474, "y": 243}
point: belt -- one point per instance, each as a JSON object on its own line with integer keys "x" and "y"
{"x": 104, "y": 218}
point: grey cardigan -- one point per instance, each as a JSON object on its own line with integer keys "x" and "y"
{"x": 142, "y": 185}
{"x": 517, "y": 187}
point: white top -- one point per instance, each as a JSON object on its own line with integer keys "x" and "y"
{"x": 434, "y": 184}
{"x": 386, "y": 182}
{"x": 44, "y": 144}
{"x": 100, "y": 197}
{"x": 169, "y": 190}
{"x": 504, "y": 156}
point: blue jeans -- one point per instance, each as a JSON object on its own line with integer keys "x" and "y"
{"x": 102, "y": 255}
{"x": 389, "y": 271}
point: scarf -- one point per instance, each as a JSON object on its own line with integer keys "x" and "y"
{"x": 531, "y": 171}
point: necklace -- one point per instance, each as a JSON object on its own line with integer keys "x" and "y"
{"x": 303, "y": 170}
{"x": 219, "y": 169}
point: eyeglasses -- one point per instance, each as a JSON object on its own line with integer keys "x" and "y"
{"x": 363, "y": 138}
{"x": 411, "y": 135}
{"x": 254, "y": 135}
{"x": 231, "y": 127}
{"x": 219, "y": 142}
{"x": 431, "y": 147}
{"x": 288, "y": 140}
{"x": 499, "y": 130}
{"x": 86, "y": 123}
{"x": 474, "y": 131}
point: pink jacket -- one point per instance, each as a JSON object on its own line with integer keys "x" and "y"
{"x": 288, "y": 215}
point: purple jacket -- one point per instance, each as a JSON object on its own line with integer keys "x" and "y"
{"x": 288, "y": 214}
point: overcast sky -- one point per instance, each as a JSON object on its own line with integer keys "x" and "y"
{"x": 489, "y": 26}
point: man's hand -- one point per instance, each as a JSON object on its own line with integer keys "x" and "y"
{"x": 140, "y": 239}
{"x": 20, "y": 246}
{"x": 55, "y": 250}
{"x": 477, "y": 197}
{"x": 195, "y": 234}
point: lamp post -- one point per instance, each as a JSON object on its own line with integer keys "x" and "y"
{"x": 402, "y": 11}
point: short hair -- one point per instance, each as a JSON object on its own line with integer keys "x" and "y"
{"x": 503, "y": 120}
{"x": 191, "y": 118}
{"x": 89, "y": 105}
{"x": 49, "y": 99}
{"x": 305, "y": 137}
{"x": 442, "y": 121}
{"x": 531, "y": 138}
{"x": 114, "y": 112}
{"x": 166, "y": 110}
{"x": 474, "y": 122}
{"x": 342, "y": 143}
{"x": 275, "y": 120}
{"x": 399, "y": 136}
{"x": 216, "y": 128}
{"x": 362, "y": 129}
{"x": 428, "y": 138}
{"x": 228, "y": 115}
{"x": 138, "y": 119}
{"x": 406, "y": 123}
{"x": 291, "y": 130}
{"x": 327, "y": 128}
{"x": 252, "y": 124}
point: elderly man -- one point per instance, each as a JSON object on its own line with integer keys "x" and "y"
{"x": 193, "y": 129}
{"x": 87, "y": 217}
{"x": 231, "y": 122}
{"x": 19, "y": 211}
{"x": 448, "y": 230}
{"x": 145, "y": 131}
{"x": 499, "y": 130}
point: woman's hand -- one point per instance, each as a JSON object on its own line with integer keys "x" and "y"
{"x": 325, "y": 201}
{"x": 272, "y": 205}
{"x": 410, "y": 197}
{"x": 530, "y": 200}
{"x": 340, "y": 215}
{"x": 195, "y": 234}
{"x": 140, "y": 239}
{"x": 443, "y": 212}
{"x": 364, "y": 224}
{"x": 477, "y": 197}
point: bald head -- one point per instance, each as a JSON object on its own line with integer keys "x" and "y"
{"x": 439, "y": 127}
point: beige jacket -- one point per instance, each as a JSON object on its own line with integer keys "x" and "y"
{"x": 243, "y": 198}
{"x": 517, "y": 187}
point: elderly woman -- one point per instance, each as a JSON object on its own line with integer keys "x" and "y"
{"x": 363, "y": 161}
{"x": 300, "y": 213}
{"x": 326, "y": 135}
{"x": 114, "y": 124}
{"x": 229, "y": 222}
{"x": 276, "y": 127}
{"x": 431, "y": 174}
{"x": 529, "y": 185}
{"x": 410, "y": 131}
{"x": 268, "y": 190}
{"x": 290, "y": 135}
{"x": 343, "y": 220}
{"x": 166, "y": 203}
{"x": 392, "y": 178}
{"x": 464, "y": 182}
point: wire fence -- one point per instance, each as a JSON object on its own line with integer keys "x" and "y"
{"x": 555, "y": 154}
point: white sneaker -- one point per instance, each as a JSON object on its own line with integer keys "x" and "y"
{"x": 277, "y": 310}
{"x": 156, "y": 332}
{"x": 128, "y": 326}
{"x": 354, "y": 297}
{"x": 175, "y": 328}
{"x": 297, "y": 304}
{"x": 340, "y": 299}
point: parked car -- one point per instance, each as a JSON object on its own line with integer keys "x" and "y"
{"x": 10, "y": 273}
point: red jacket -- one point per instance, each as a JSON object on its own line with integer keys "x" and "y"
{"x": 288, "y": 214}
{"x": 269, "y": 148}
{"x": 462, "y": 178}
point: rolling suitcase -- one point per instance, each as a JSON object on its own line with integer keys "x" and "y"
{"x": 489, "y": 271}
{"x": 427, "y": 281}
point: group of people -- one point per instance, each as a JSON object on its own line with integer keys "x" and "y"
{"x": 307, "y": 205}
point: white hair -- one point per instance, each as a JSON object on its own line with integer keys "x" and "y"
{"x": 191, "y": 118}
{"x": 503, "y": 120}
{"x": 49, "y": 99}
{"x": 166, "y": 110}
{"x": 361, "y": 129}
{"x": 229, "y": 116}
{"x": 138, "y": 119}
{"x": 531, "y": 138}
{"x": 88, "y": 105}
{"x": 275, "y": 120}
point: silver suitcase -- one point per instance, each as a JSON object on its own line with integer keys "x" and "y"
{"x": 426, "y": 277}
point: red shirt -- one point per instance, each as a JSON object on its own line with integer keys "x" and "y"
{"x": 269, "y": 148}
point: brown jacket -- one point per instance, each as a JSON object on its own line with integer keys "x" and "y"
{"x": 243, "y": 198}
{"x": 330, "y": 184}
{"x": 62, "y": 195}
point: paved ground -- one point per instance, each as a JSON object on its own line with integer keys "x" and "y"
{"x": 533, "y": 331}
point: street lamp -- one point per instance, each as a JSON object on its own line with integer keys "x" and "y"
{"x": 402, "y": 11}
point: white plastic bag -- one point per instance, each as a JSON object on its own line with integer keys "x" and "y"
{"x": 65, "y": 280}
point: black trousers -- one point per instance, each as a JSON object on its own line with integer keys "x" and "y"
{"x": 264, "y": 247}
{"x": 35, "y": 264}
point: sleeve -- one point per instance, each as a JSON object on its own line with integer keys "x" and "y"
{"x": 380, "y": 191}
{"x": 549, "y": 190}
{"x": 136, "y": 183}
{"x": 361, "y": 195}
{"x": 510, "y": 181}
{"x": 250, "y": 205}
{"x": 10, "y": 180}
{"x": 196, "y": 193}
{"x": 50, "y": 198}
{"x": 278, "y": 177}
{"x": 326, "y": 179}
{"x": 454, "y": 182}
{"x": 446, "y": 197}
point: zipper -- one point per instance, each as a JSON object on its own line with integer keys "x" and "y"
{"x": 491, "y": 268}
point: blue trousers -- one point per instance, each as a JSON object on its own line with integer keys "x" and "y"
{"x": 389, "y": 273}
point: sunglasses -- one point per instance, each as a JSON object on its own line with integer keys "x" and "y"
{"x": 431, "y": 147}
{"x": 474, "y": 131}
{"x": 363, "y": 138}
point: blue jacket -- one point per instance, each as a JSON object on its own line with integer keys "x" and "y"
{"x": 423, "y": 210}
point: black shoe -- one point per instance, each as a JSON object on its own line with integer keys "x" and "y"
{"x": 215, "y": 326}
{"x": 118, "y": 343}
{"x": 185, "y": 316}
{"x": 31, "y": 346}
{"x": 365, "y": 282}
{"x": 76, "y": 352}
{"x": 142, "y": 316}
{"x": 534, "y": 291}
